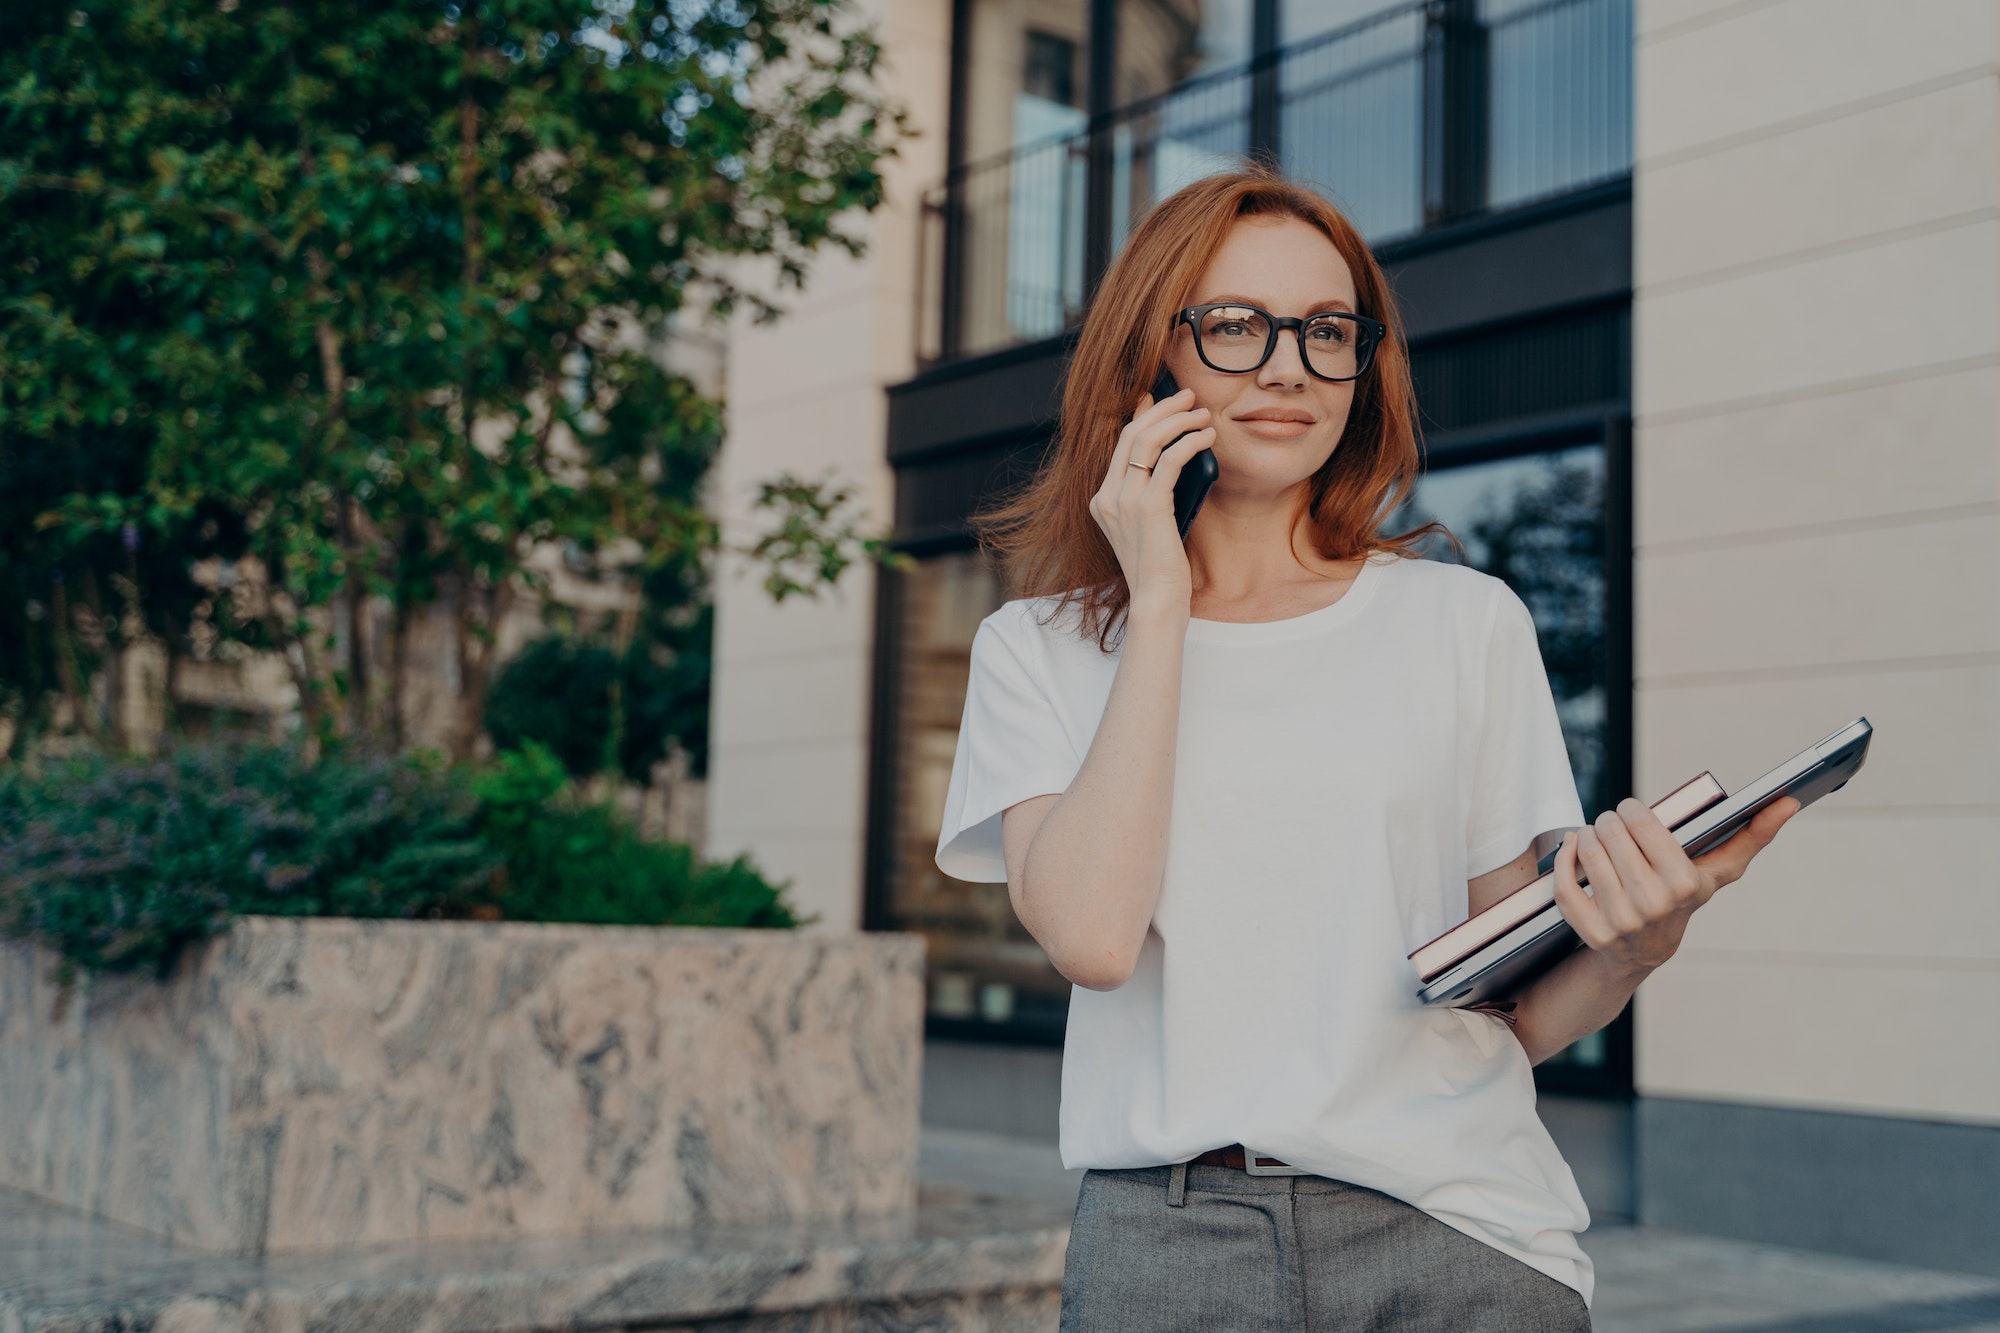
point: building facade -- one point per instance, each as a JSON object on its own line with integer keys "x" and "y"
{"x": 1702, "y": 307}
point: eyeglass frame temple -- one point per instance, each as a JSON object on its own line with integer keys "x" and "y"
{"x": 1374, "y": 328}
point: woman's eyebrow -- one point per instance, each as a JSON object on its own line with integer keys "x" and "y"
{"x": 1313, "y": 307}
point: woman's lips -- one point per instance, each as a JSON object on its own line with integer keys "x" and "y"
{"x": 1265, "y": 428}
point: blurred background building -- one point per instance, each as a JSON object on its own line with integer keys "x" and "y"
{"x": 1702, "y": 302}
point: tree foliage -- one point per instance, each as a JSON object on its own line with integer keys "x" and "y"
{"x": 372, "y": 292}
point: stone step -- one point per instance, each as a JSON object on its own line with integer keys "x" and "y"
{"x": 963, "y": 1262}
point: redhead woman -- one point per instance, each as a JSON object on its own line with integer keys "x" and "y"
{"x": 1232, "y": 783}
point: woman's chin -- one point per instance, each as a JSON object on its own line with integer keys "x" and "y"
{"x": 1264, "y": 469}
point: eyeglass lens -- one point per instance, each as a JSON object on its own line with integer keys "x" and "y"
{"x": 1235, "y": 339}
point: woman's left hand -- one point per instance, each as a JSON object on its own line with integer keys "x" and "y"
{"x": 1643, "y": 886}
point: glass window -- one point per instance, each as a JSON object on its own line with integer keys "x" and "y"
{"x": 1350, "y": 113}
{"x": 1050, "y": 73}
{"x": 985, "y": 971}
{"x": 1159, "y": 45}
{"x": 1300, "y": 19}
{"x": 1192, "y": 132}
{"x": 1022, "y": 219}
{"x": 1224, "y": 35}
{"x": 1027, "y": 73}
{"x": 1559, "y": 95}
{"x": 1537, "y": 522}
{"x": 1028, "y": 61}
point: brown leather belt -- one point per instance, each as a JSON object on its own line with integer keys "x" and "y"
{"x": 1235, "y": 1156}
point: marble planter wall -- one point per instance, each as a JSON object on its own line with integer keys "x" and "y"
{"x": 320, "y": 1084}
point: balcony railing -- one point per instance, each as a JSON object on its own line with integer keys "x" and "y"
{"x": 1418, "y": 116}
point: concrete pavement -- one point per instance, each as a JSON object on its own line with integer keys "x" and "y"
{"x": 1648, "y": 1280}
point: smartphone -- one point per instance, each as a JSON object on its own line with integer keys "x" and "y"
{"x": 1191, "y": 487}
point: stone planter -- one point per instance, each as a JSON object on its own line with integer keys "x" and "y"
{"x": 322, "y": 1084}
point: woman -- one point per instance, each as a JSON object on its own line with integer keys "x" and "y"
{"x": 1231, "y": 784}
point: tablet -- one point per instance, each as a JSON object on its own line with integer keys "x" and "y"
{"x": 1545, "y": 939}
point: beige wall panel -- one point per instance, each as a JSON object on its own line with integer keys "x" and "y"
{"x": 1824, "y": 1033}
{"x": 801, "y": 787}
{"x": 1933, "y": 747}
{"x": 1658, "y": 19}
{"x": 808, "y": 431}
{"x": 1765, "y": 65}
{"x": 1772, "y": 198}
{"x": 1817, "y": 490}
{"x": 789, "y": 758}
{"x": 821, "y": 872}
{"x": 814, "y": 349}
{"x": 804, "y": 697}
{"x": 758, "y": 629}
{"x": 1819, "y": 324}
{"x": 1872, "y": 595}
{"x": 1916, "y": 444}
{"x": 916, "y": 52}
{"x": 1915, "y": 887}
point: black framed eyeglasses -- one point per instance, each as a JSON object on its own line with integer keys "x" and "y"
{"x": 1236, "y": 339}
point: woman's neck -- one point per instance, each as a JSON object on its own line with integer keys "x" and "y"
{"x": 1254, "y": 560}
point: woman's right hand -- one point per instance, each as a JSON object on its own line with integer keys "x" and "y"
{"x": 1135, "y": 505}
{"x": 1084, "y": 868}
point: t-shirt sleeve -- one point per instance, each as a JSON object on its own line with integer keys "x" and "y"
{"x": 1521, "y": 780}
{"x": 1011, "y": 745}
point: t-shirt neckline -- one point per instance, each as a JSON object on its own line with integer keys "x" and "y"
{"x": 1330, "y": 616}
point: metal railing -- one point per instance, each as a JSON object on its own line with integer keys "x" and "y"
{"x": 1417, "y": 116}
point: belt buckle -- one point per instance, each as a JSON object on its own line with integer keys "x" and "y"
{"x": 1253, "y": 1165}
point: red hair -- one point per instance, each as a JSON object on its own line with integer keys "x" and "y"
{"x": 1043, "y": 536}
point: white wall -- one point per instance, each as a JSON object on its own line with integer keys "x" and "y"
{"x": 789, "y": 721}
{"x": 1817, "y": 254}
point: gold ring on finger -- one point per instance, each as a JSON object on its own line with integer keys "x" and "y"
{"x": 1141, "y": 466}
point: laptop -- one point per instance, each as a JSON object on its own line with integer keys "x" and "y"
{"x": 1509, "y": 963}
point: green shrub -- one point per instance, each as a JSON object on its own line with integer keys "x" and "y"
{"x": 566, "y": 860}
{"x": 116, "y": 864}
{"x": 559, "y": 694}
{"x": 556, "y": 694}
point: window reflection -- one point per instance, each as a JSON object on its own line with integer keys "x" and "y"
{"x": 1537, "y": 522}
{"x": 1559, "y": 96}
{"x": 1350, "y": 113}
{"x": 1026, "y": 86}
{"x": 1300, "y": 19}
{"x": 1028, "y": 74}
{"x": 1225, "y": 34}
{"x": 1027, "y": 90}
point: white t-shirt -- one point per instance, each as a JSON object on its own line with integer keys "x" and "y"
{"x": 1338, "y": 779}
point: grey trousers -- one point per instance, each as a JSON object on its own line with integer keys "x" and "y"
{"x": 1242, "y": 1252}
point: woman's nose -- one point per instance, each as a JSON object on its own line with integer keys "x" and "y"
{"x": 1285, "y": 369}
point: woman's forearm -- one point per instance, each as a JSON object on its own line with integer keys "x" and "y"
{"x": 1091, "y": 878}
{"x": 1576, "y": 998}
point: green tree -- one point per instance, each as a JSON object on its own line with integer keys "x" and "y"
{"x": 373, "y": 291}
